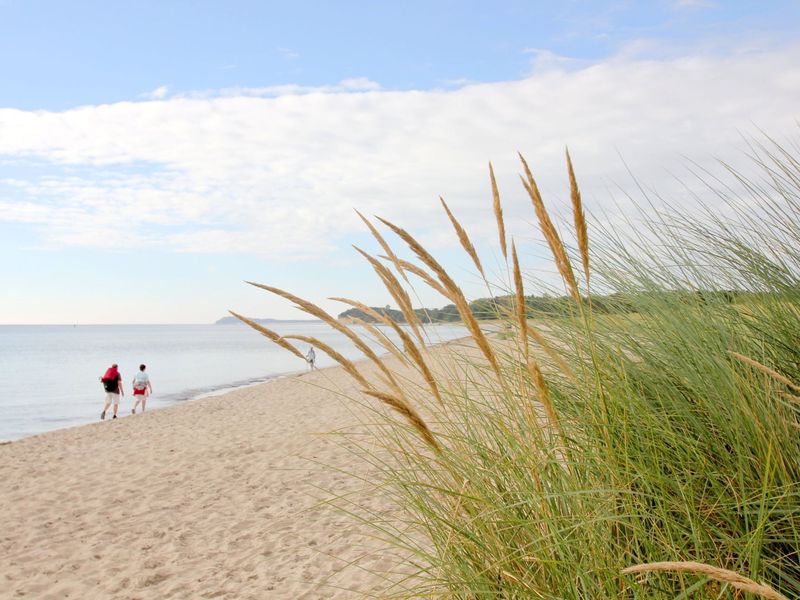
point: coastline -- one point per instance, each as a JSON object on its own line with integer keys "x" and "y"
{"x": 215, "y": 496}
{"x": 224, "y": 496}
{"x": 178, "y": 398}
{"x": 184, "y": 362}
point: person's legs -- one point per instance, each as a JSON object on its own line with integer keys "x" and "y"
{"x": 136, "y": 400}
{"x": 144, "y": 402}
{"x": 116, "y": 404}
{"x": 106, "y": 404}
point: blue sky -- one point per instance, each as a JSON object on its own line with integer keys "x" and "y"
{"x": 155, "y": 154}
{"x": 58, "y": 55}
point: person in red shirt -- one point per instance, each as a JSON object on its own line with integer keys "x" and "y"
{"x": 112, "y": 383}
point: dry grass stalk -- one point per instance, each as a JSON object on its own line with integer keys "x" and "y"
{"x": 386, "y": 383}
{"x": 402, "y": 407}
{"x": 734, "y": 579}
{"x": 365, "y": 309}
{"x": 498, "y": 212}
{"x": 475, "y": 330}
{"x": 424, "y": 275}
{"x": 550, "y": 233}
{"x": 408, "y": 344}
{"x": 348, "y": 365}
{"x": 455, "y": 292}
{"x": 314, "y": 310}
{"x": 765, "y": 369}
{"x": 508, "y": 575}
{"x": 369, "y": 311}
{"x": 579, "y": 217}
{"x": 540, "y": 385}
{"x": 412, "y": 350}
{"x": 790, "y": 397}
{"x": 386, "y": 248}
{"x": 423, "y": 254}
{"x": 456, "y": 513}
{"x": 397, "y": 292}
{"x": 536, "y": 336}
{"x": 380, "y": 337}
{"x": 269, "y": 334}
{"x": 463, "y": 238}
{"x": 519, "y": 304}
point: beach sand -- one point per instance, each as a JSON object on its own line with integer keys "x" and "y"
{"x": 215, "y": 498}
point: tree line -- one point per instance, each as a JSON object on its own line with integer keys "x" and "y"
{"x": 546, "y": 306}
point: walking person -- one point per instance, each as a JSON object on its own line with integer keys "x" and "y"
{"x": 112, "y": 383}
{"x": 310, "y": 358}
{"x": 141, "y": 389}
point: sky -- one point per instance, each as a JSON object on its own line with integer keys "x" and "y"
{"x": 154, "y": 156}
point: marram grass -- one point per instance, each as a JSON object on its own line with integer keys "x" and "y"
{"x": 653, "y": 453}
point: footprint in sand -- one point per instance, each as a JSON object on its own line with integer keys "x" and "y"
{"x": 156, "y": 578}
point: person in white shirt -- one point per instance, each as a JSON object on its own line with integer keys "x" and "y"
{"x": 311, "y": 357}
{"x": 141, "y": 389}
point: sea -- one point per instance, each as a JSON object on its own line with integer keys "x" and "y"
{"x": 50, "y": 374}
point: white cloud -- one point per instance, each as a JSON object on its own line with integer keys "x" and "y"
{"x": 157, "y": 94}
{"x": 544, "y": 60}
{"x": 355, "y": 84}
{"x": 276, "y": 171}
{"x": 459, "y": 82}
{"x": 359, "y": 84}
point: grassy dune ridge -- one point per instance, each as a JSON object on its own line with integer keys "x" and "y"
{"x": 648, "y": 454}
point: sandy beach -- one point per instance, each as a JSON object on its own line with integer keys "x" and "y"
{"x": 215, "y": 498}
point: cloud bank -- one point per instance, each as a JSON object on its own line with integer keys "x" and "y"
{"x": 276, "y": 172}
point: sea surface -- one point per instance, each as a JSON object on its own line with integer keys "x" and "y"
{"x": 49, "y": 374}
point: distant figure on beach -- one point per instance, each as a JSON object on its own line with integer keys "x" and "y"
{"x": 112, "y": 384}
{"x": 310, "y": 358}
{"x": 141, "y": 389}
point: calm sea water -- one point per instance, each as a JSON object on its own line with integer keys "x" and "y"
{"x": 49, "y": 373}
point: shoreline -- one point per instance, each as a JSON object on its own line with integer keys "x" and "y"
{"x": 28, "y": 411}
{"x": 173, "y": 399}
{"x": 227, "y": 496}
{"x": 218, "y": 496}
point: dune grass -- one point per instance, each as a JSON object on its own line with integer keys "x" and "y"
{"x": 653, "y": 454}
